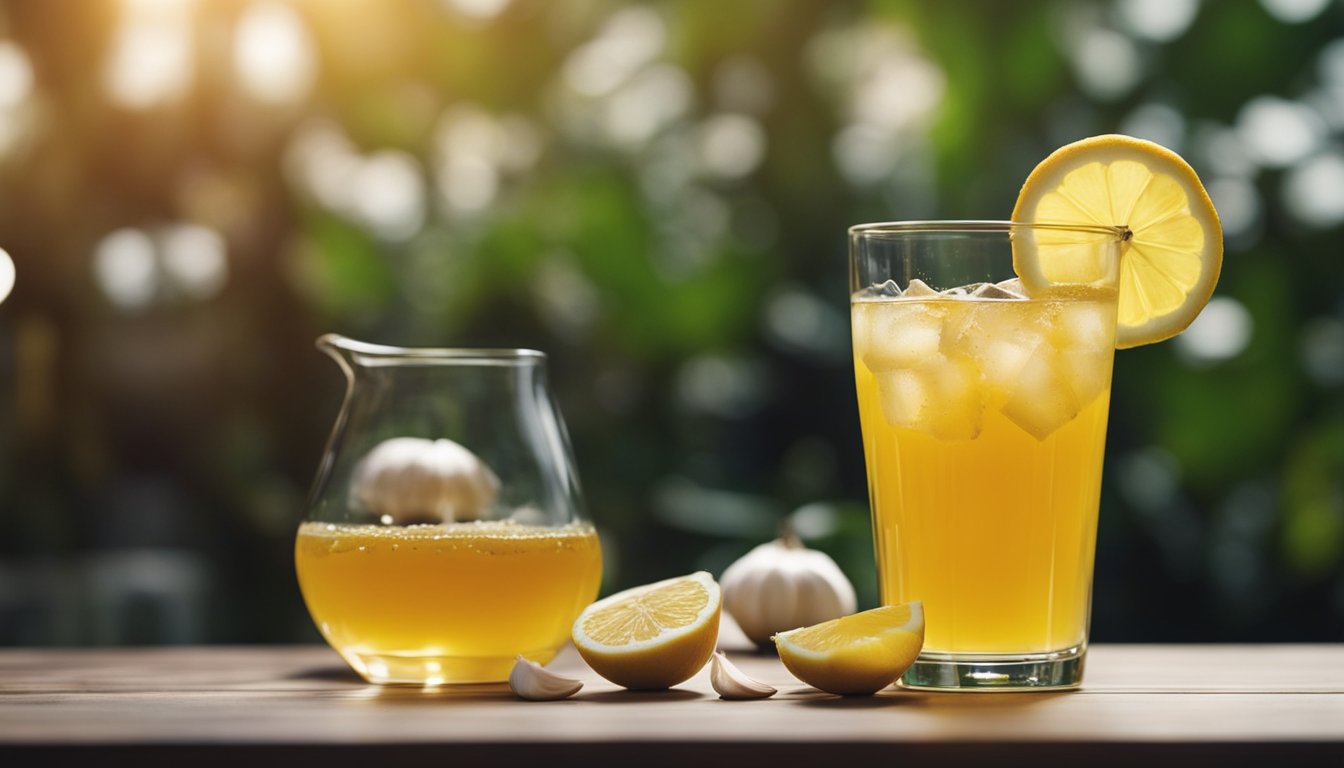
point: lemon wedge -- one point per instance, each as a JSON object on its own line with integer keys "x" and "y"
{"x": 654, "y": 636}
{"x": 858, "y": 654}
{"x": 1173, "y": 251}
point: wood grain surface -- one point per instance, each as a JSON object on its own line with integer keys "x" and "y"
{"x": 1277, "y": 705}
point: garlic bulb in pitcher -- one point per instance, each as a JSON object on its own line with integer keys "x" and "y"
{"x": 784, "y": 585}
{"x": 411, "y": 479}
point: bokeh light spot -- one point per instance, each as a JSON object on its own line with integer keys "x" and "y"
{"x": 472, "y": 149}
{"x": 123, "y": 265}
{"x": 899, "y": 89}
{"x": 468, "y": 184}
{"x": 892, "y": 93}
{"x": 480, "y": 10}
{"x": 1221, "y": 332}
{"x": 721, "y": 386}
{"x": 321, "y": 160}
{"x": 1330, "y": 63}
{"x": 1313, "y": 191}
{"x": 864, "y": 154}
{"x": 565, "y": 296}
{"x": 6, "y": 275}
{"x": 1149, "y": 479}
{"x": 1105, "y": 62}
{"x": 1294, "y": 11}
{"x": 1158, "y": 20}
{"x": 1158, "y": 123}
{"x": 195, "y": 259}
{"x": 389, "y": 195}
{"x": 151, "y": 54}
{"x": 273, "y": 53}
{"x": 653, "y": 99}
{"x": 1278, "y": 132}
{"x": 798, "y": 319}
{"x": 16, "y": 75}
{"x": 631, "y": 38}
{"x": 814, "y": 521}
{"x": 1238, "y": 204}
{"x": 731, "y": 146}
{"x": 1220, "y": 149}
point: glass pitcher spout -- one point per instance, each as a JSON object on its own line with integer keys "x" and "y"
{"x": 350, "y": 354}
{"x": 337, "y": 347}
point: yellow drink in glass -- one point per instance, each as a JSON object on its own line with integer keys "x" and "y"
{"x": 983, "y": 412}
{"x": 455, "y": 603}
{"x": 984, "y": 463}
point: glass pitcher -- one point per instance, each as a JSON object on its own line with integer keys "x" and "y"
{"x": 445, "y": 535}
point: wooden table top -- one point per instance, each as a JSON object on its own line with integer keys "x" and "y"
{"x": 1276, "y": 704}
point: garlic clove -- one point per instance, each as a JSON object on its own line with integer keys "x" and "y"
{"x": 733, "y": 684}
{"x": 534, "y": 682}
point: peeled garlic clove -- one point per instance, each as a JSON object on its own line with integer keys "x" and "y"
{"x": 534, "y": 682}
{"x": 732, "y": 684}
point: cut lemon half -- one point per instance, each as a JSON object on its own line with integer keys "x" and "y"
{"x": 1171, "y": 255}
{"x": 653, "y": 636}
{"x": 858, "y": 654}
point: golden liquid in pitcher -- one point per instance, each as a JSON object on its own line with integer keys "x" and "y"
{"x": 451, "y": 603}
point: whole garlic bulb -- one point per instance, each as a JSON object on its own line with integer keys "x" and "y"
{"x": 784, "y": 585}
{"x": 413, "y": 479}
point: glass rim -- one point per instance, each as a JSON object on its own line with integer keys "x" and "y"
{"x": 500, "y": 355}
{"x": 980, "y": 225}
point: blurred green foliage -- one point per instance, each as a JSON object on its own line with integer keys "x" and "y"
{"x": 655, "y": 194}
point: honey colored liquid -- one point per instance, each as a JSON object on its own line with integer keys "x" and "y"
{"x": 454, "y": 603}
{"x": 984, "y": 423}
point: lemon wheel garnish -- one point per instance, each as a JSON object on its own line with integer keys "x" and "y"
{"x": 1172, "y": 253}
{"x": 653, "y": 636}
{"x": 858, "y": 654}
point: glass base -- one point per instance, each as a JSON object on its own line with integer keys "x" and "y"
{"x": 431, "y": 670}
{"x": 990, "y": 672}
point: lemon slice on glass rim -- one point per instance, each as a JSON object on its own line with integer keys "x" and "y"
{"x": 1173, "y": 248}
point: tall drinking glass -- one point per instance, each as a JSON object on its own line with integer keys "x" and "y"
{"x": 983, "y": 410}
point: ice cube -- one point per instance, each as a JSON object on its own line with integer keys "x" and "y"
{"x": 918, "y": 288}
{"x": 904, "y": 396}
{"x": 992, "y": 291}
{"x": 884, "y": 290}
{"x": 996, "y": 335}
{"x": 1084, "y": 326}
{"x": 959, "y": 325}
{"x": 896, "y": 334}
{"x": 1013, "y": 286}
{"x": 1088, "y": 374}
{"x": 1002, "y": 356}
{"x": 955, "y": 406}
{"x": 1041, "y": 399}
{"x": 955, "y": 292}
